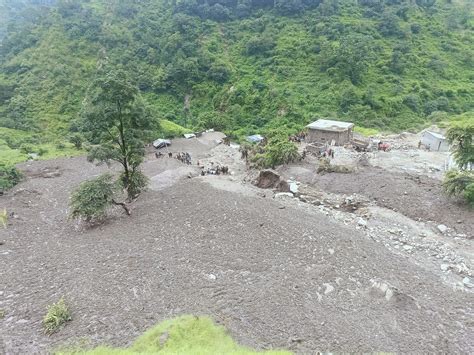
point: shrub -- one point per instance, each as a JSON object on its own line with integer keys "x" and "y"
{"x": 60, "y": 146}
{"x": 279, "y": 150}
{"x": 9, "y": 177}
{"x": 58, "y": 314}
{"x": 92, "y": 198}
{"x": 4, "y": 218}
{"x": 26, "y": 148}
{"x": 259, "y": 45}
{"x": 219, "y": 72}
{"x": 77, "y": 140}
{"x": 215, "y": 120}
{"x": 415, "y": 28}
{"x": 42, "y": 151}
{"x": 460, "y": 183}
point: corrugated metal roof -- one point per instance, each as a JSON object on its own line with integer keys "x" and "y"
{"x": 436, "y": 135}
{"x": 256, "y": 138}
{"x": 329, "y": 125}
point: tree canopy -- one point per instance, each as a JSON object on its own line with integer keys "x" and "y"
{"x": 461, "y": 137}
{"x": 117, "y": 123}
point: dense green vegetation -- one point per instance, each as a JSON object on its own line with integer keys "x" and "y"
{"x": 9, "y": 177}
{"x": 461, "y": 137}
{"x": 183, "y": 335}
{"x": 242, "y": 66}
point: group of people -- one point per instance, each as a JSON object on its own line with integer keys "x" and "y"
{"x": 160, "y": 155}
{"x": 183, "y": 157}
{"x": 218, "y": 170}
{"x": 328, "y": 153}
{"x": 298, "y": 138}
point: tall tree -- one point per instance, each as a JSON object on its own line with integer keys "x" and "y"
{"x": 461, "y": 137}
{"x": 117, "y": 123}
{"x": 461, "y": 183}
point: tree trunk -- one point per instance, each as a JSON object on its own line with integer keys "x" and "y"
{"x": 124, "y": 206}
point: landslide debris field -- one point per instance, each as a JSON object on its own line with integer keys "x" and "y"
{"x": 345, "y": 264}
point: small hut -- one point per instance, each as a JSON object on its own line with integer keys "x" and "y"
{"x": 328, "y": 131}
{"x": 434, "y": 141}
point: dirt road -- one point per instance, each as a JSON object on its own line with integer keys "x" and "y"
{"x": 277, "y": 275}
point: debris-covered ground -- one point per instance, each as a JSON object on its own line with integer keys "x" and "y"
{"x": 374, "y": 260}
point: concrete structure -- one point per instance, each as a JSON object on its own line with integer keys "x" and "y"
{"x": 434, "y": 141}
{"x": 326, "y": 131}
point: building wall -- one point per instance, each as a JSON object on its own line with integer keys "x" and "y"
{"x": 340, "y": 138}
{"x": 435, "y": 144}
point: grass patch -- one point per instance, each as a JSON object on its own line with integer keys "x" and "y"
{"x": 170, "y": 129}
{"x": 15, "y": 146}
{"x": 367, "y": 132}
{"x": 9, "y": 156}
{"x": 4, "y": 219}
{"x": 58, "y": 315}
{"x": 183, "y": 335}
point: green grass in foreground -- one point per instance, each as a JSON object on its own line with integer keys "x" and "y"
{"x": 183, "y": 335}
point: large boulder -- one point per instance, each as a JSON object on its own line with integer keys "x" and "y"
{"x": 283, "y": 186}
{"x": 268, "y": 179}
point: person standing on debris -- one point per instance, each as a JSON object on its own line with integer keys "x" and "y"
{"x": 329, "y": 153}
{"x": 332, "y": 153}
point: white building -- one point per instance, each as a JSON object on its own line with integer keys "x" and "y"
{"x": 327, "y": 131}
{"x": 435, "y": 141}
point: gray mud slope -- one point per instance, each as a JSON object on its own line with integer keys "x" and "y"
{"x": 417, "y": 197}
{"x": 279, "y": 278}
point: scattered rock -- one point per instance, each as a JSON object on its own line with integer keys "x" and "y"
{"x": 442, "y": 228}
{"x": 283, "y": 195}
{"x": 293, "y": 187}
{"x": 467, "y": 282}
{"x": 361, "y": 222}
{"x": 212, "y": 277}
{"x": 283, "y": 186}
{"x": 445, "y": 267}
{"x": 164, "y": 338}
{"x": 329, "y": 288}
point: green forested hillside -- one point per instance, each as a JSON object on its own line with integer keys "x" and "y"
{"x": 242, "y": 66}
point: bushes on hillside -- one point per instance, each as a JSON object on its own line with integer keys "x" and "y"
{"x": 461, "y": 137}
{"x": 278, "y": 150}
{"x": 9, "y": 177}
{"x": 460, "y": 184}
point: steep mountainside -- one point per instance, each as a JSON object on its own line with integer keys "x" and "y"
{"x": 244, "y": 65}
